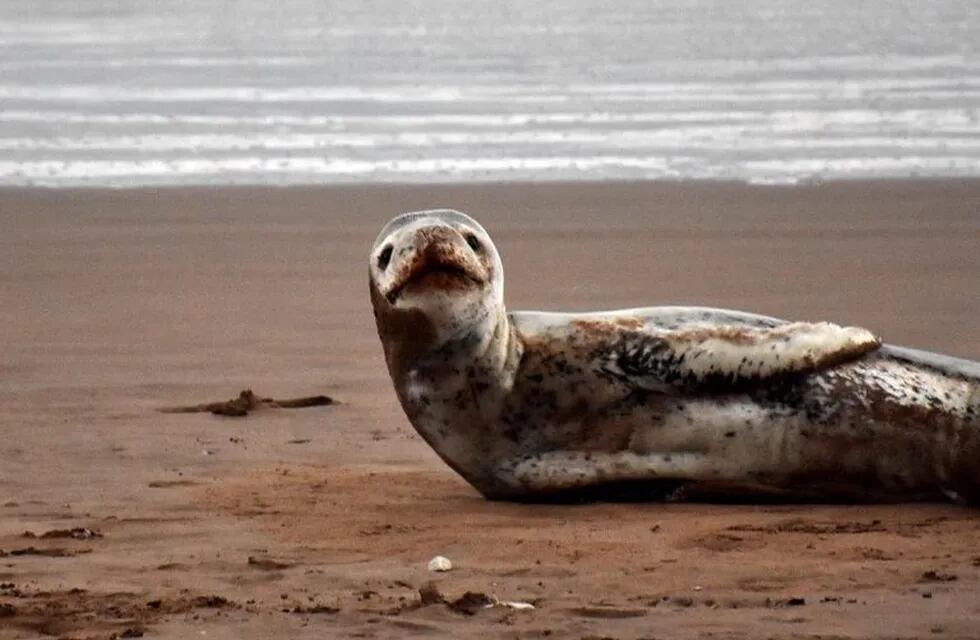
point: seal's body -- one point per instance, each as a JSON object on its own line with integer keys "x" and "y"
{"x": 527, "y": 405}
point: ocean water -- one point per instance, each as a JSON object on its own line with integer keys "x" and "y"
{"x": 143, "y": 92}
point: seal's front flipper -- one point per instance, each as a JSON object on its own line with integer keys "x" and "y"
{"x": 759, "y": 353}
{"x": 724, "y": 354}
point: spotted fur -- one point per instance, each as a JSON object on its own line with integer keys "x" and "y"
{"x": 527, "y": 404}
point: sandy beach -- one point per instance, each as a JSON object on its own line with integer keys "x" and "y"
{"x": 319, "y": 522}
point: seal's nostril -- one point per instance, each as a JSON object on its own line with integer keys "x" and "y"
{"x": 473, "y": 241}
{"x": 384, "y": 257}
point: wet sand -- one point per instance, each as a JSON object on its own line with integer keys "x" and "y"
{"x": 319, "y": 522}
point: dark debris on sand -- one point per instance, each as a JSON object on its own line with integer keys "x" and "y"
{"x": 66, "y": 613}
{"x": 76, "y": 533}
{"x": 248, "y": 401}
{"x": 934, "y": 575}
{"x": 468, "y": 604}
{"x": 54, "y": 552}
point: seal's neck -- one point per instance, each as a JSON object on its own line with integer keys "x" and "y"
{"x": 486, "y": 353}
{"x": 453, "y": 394}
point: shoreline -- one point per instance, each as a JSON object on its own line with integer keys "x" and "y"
{"x": 490, "y": 183}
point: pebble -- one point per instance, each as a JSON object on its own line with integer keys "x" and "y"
{"x": 440, "y": 563}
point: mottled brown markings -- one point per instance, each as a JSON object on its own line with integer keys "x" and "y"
{"x": 643, "y": 354}
{"x": 735, "y": 335}
{"x": 749, "y": 336}
{"x": 438, "y": 260}
{"x": 927, "y": 426}
{"x": 867, "y": 438}
{"x": 832, "y": 359}
{"x": 405, "y": 334}
{"x": 593, "y": 329}
{"x": 607, "y": 327}
{"x": 559, "y": 405}
{"x": 852, "y": 430}
{"x": 850, "y": 415}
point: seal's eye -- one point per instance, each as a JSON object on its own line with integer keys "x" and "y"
{"x": 473, "y": 241}
{"x": 384, "y": 257}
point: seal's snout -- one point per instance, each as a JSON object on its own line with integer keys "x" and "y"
{"x": 435, "y": 258}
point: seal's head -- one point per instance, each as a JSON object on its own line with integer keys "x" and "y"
{"x": 435, "y": 277}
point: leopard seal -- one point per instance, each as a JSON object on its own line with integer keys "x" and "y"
{"x": 526, "y": 405}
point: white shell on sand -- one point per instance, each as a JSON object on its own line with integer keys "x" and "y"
{"x": 440, "y": 563}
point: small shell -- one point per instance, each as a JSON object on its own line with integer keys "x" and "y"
{"x": 440, "y": 563}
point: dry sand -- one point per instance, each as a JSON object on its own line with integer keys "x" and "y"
{"x": 319, "y": 522}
